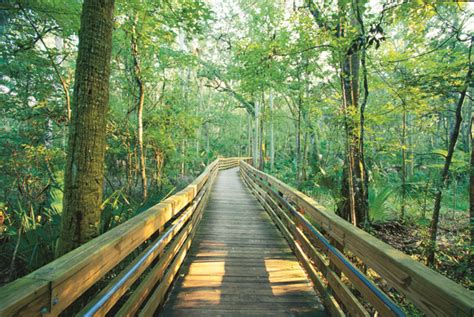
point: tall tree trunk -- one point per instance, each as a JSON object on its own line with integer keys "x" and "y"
{"x": 199, "y": 109}
{"x": 141, "y": 101}
{"x": 314, "y": 150}
{"x": 240, "y": 144}
{"x": 83, "y": 183}
{"x": 447, "y": 163}
{"x": 249, "y": 134}
{"x": 354, "y": 202}
{"x": 298, "y": 143}
{"x": 129, "y": 165}
{"x": 354, "y": 191}
{"x": 159, "y": 160}
{"x": 261, "y": 143}
{"x": 208, "y": 142}
{"x": 411, "y": 170}
{"x": 353, "y": 206}
{"x": 304, "y": 162}
{"x": 466, "y": 127}
{"x": 404, "y": 163}
{"x": 256, "y": 151}
{"x": 471, "y": 194}
{"x": 272, "y": 137}
{"x": 363, "y": 163}
{"x": 183, "y": 158}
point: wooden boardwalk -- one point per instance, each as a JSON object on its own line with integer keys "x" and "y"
{"x": 239, "y": 264}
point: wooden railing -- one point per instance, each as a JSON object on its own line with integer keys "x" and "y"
{"x": 153, "y": 245}
{"x": 147, "y": 251}
{"x": 325, "y": 248}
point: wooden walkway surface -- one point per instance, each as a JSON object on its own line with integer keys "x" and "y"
{"x": 239, "y": 264}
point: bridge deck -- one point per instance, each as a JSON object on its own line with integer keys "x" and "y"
{"x": 239, "y": 264}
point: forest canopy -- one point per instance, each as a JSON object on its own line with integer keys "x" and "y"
{"x": 366, "y": 106}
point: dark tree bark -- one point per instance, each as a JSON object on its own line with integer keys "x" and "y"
{"x": 447, "y": 163}
{"x": 354, "y": 203}
{"x": 83, "y": 183}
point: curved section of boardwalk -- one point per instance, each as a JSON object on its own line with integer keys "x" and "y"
{"x": 239, "y": 263}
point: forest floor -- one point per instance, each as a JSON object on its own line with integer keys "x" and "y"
{"x": 453, "y": 244}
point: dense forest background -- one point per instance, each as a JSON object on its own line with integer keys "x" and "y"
{"x": 365, "y": 99}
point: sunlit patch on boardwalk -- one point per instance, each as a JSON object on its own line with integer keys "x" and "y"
{"x": 239, "y": 263}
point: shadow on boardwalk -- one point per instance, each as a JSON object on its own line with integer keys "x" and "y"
{"x": 239, "y": 263}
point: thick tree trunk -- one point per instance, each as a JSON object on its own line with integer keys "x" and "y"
{"x": 140, "y": 104}
{"x": 445, "y": 172}
{"x": 353, "y": 206}
{"x": 83, "y": 183}
{"x": 354, "y": 203}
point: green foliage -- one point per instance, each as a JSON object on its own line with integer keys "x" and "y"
{"x": 205, "y": 65}
{"x": 377, "y": 200}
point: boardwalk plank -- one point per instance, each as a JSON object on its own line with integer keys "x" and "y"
{"x": 239, "y": 263}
